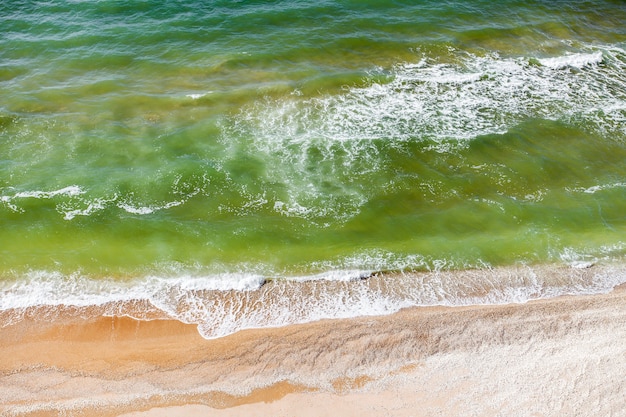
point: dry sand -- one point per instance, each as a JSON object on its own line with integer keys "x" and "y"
{"x": 558, "y": 357}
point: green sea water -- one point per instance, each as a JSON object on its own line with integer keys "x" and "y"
{"x": 293, "y": 139}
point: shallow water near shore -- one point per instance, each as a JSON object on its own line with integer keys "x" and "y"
{"x": 175, "y": 157}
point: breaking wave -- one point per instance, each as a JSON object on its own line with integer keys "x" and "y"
{"x": 442, "y": 105}
{"x": 226, "y": 303}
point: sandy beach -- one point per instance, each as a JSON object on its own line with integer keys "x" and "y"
{"x": 563, "y": 356}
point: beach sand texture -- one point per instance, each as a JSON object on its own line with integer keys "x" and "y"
{"x": 563, "y": 356}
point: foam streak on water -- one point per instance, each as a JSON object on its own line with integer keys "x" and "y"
{"x": 478, "y": 95}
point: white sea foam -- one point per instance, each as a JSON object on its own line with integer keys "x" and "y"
{"x": 442, "y": 104}
{"x": 335, "y": 275}
{"x": 196, "y": 96}
{"x": 573, "y": 61}
{"x": 293, "y": 209}
{"x": 584, "y": 258}
{"x": 70, "y": 191}
{"x": 137, "y": 210}
{"x": 89, "y": 207}
{"x": 72, "y": 196}
{"x": 221, "y": 304}
{"x": 7, "y": 201}
{"x": 12, "y": 201}
{"x": 54, "y": 289}
{"x": 478, "y": 96}
{"x": 149, "y": 209}
{"x": 74, "y": 201}
{"x": 596, "y": 188}
{"x": 179, "y": 188}
{"x": 218, "y": 282}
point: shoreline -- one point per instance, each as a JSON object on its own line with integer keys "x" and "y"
{"x": 253, "y": 302}
{"x": 538, "y": 358}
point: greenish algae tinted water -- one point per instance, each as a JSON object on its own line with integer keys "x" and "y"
{"x": 253, "y": 139}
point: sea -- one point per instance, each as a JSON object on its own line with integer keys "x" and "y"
{"x": 248, "y": 164}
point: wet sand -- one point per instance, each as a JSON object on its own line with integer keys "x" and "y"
{"x": 564, "y": 356}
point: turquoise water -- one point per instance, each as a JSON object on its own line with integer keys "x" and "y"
{"x": 250, "y": 140}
